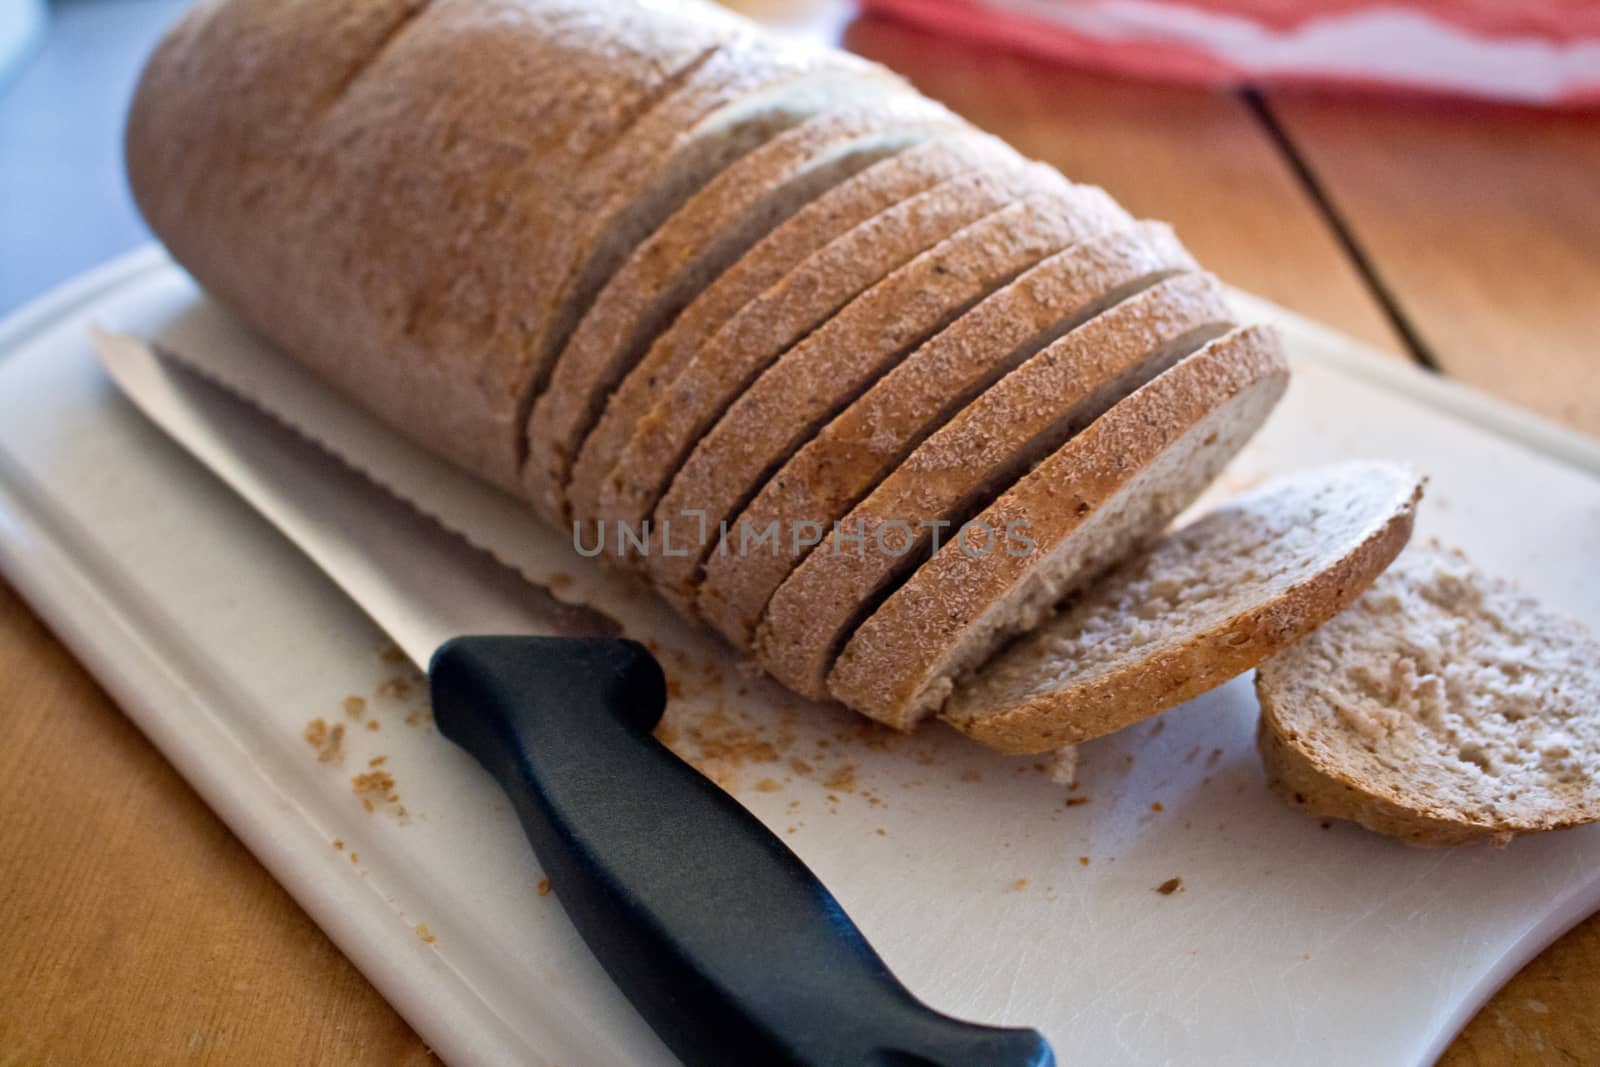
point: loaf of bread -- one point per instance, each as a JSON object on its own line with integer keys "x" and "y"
{"x": 844, "y": 378}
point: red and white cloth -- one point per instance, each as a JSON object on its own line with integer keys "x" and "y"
{"x": 1542, "y": 52}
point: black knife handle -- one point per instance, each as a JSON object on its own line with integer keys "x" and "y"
{"x": 723, "y": 940}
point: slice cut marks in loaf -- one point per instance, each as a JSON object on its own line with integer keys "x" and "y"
{"x": 766, "y": 327}
{"x": 867, "y": 440}
{"x": 746, "y": 92}
{"x": 696, "y": 244}
{"x": 1205, "y": 604}
{"x": 840, "y": 210}
{"x": 1443, "y": 707}
{"x": 1102, "y": 496}
{"x": 971, "y": 460}
{"x": 822, "y": 374}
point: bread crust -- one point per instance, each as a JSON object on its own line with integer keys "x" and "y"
{"x": 862, "y": 445}
{"x": 992, "y": 440}
{"x": 1172, "y": 674}
{"x": 876, "y": 189}
{"x": 594, "y": 359}
{"x": 900, "y": 663}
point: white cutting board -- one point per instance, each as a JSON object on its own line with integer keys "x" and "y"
{"x": 1287, "y": 943}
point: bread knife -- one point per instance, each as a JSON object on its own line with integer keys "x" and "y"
{"x": 722, "y": 939}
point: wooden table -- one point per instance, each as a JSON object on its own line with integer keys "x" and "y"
{"x": 1465, "y": 237}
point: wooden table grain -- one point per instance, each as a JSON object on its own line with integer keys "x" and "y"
{"x": 137, "y": 929}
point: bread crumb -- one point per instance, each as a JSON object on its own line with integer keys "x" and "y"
{"x": 558, "y": 581}
{"x": 1170, "y": 886}
{"x": 1073, "y": 802}
{"x": 327, "y": 740}
{"x": 1064, "y": 766}
{"x": 423, "y": 932}
{"x": 355, "y": 857}
{"x": 377, "y": 761}
{"x": 372, "y": 725}
{"x": 392, "y": 654}
{"x": 769, "y": 785}
{"x": 800, "y": 766}
{"x": 1020, "y": 884}
{"x": 881, "y": 832}
{"x": 374, "y": 784}
{"x": 338, "y": 843}
{"x": 1083, "y": 861}
{"x": 355, "y": 706}
{"x": 842, "y": 780}
{"x": 396, "y": 688}
{"x": 543, "y": 887}
{"x": 1156, "y": 806}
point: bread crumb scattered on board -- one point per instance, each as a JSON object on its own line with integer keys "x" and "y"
{"x": 1020, "y": 885}
{"x": 327, "y": 740}
{"x": 1170, "y": 886}
{"x": 355, "y": 706}
{"x": 424, "y": 933}
{"x": 543, "y": 888}
{"x": 1074, "y": 802}
{"x": 1063, "y": 765}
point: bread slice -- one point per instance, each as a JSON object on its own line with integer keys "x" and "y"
{"x": 748, "y": 91}
{"x": 1443, "y": 707}
{"x": 840, "y": 210}
{"x": 330, "y": 173}
{"x": 1106, "y": 493}
{"x": 766, "y": 327}
{"x": 820, "y": 376}
{"x": 696, "y": 244}
{"x": 1205, "y": 604}
{"x": 970, "y": 461}
{"x": 849, "y": 456}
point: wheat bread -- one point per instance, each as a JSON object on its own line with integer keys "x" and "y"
{"x": 808, "y": 296}
{"x": 330, "y": 175}
{"x": 1206, "y": 603}
{"x": 971, "y": 460}
{"x": 875, "y": 189}
{"x": 696, "y": 244}
{"x": 1102, "y": 496}
{"x": 849, "y": 456}
{"x": 749, "y": 91}
{"x": 818, "y": 377}
{"x": 1443, "y": 707}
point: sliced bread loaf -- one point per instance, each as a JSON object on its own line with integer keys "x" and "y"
{"x": 840, "y": 210}
{"x": 1104, "y": 494}
{"x": 1205, "y": 604}
{"x": 766, "y": 327}
{"x": 817, "y": 378}
{"x": 844, "y": 461}
{"x": 696, "y": 244}
{"x": 971, "y": 460}
{"x": 1443, "y": 707}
